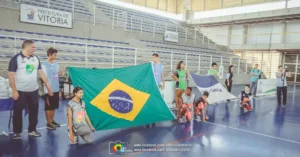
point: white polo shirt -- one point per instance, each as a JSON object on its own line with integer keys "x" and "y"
{"x": 26, "y": 72}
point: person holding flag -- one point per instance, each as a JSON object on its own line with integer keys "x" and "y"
{"x": 158, "y": 72}
{"x": 214, "y": 71}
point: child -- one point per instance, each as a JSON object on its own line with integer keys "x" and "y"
{"x": 186, "y": 104}
{"x": 201, "y": 105}
{"x": 246, "y": 96}
{"x": 79, "y": 123}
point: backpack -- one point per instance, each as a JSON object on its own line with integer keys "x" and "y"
{"x": 259, "y": 77}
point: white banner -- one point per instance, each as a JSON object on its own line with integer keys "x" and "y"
{"x": 217, "y": 92}
{"x": 266, "y": 87}
{"x": 45, "y": 16}
{"x": 171, "y": 36}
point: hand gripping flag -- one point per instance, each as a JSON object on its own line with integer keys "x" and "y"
{"x": 121, "y": 97}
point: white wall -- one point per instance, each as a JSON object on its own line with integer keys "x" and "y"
{"x": 258, "y": 34}
{"x": 237, "y": 35}
{"x": 294, "y": 32}
{"x": 217, "y": 34}
{"x": 246, "y": 9}
{"x": 261, "y": 33}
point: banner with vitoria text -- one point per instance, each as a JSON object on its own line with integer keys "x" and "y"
{"x": 45, "y": 16}
{"x": 266, "y": 87}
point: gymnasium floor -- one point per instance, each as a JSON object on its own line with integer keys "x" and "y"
{"x": 267, "y": 131}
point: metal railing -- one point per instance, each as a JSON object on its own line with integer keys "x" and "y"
{"x": 108, "y": 56}
{"x": 99, "y": 13}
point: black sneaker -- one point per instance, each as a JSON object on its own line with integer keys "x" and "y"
{"x": 50, "y": 126}
{"x": 55, "y": 124}
{"x": 17, "y": 136}
{"x": 35, "y": 134}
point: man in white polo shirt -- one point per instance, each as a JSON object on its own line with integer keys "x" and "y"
{"x": 22, "y": 74}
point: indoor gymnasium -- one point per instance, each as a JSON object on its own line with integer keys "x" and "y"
{"x": 149, "y": 78}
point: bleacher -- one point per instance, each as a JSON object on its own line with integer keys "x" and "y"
{"x": 92, "y": 55}
{"x": 108, "y": 9}
{"x": 86, "y": 52}
{"x": 20, "y": 33}
{"x": 135, "y": 18}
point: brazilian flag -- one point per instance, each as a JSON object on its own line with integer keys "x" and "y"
{"x": 121, "y": 97}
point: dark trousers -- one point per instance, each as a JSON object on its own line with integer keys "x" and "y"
{"x": 283, "y": 91}
{"x": 228, "y": 87}
{"x": 31, "y": 101}
{"x": 253, "y": 88}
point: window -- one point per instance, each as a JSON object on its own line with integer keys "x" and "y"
{"x": 291, "y": 79}
{"x": 290, "y": 58}
{"x": 291, "y": 67}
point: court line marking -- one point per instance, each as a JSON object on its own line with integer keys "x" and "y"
{"x": 7, "y": 133}
{"x": 287, "y": 140}
{"x": 173, "y": 142}
{"x": 267, "y": 96}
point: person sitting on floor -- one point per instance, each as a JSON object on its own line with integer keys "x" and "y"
{"x": 79, "y": 123}
{"x": 246, "y": 97}
{"x": 201, "y": 105}
{"x": 186, "y": 105}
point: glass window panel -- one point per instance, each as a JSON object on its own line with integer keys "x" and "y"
{"x": 298, "y": 78}
{"x": 291, "y": 79}
{"x": 290, "y": 58}
{"x": 290, "y": 67}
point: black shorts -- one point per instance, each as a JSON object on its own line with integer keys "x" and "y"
{"x": 51, "y": 102}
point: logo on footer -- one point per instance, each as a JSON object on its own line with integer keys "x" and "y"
{"x": 117, "y": 147}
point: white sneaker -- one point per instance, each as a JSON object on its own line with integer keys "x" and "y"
{"x": 35, "y": 134}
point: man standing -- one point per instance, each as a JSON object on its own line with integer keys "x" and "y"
{"x": 255, "y": 74}
{"x": 158, "y": 72}
{"x": 282, "y": 84}
{"x": 22, "y": 74}
{"x": 51, "y": 69}
{"x": 214, "y": 71}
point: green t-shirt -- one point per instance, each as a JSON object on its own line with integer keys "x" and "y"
{"x": 181, "y": 75}
{"x": 257, "y": 72}
{"x": 213, "y": 72}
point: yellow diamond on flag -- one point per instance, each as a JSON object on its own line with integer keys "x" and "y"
{"x": 120, "y": 100}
